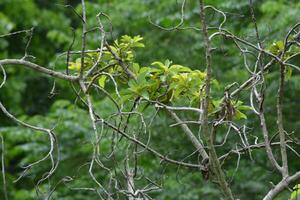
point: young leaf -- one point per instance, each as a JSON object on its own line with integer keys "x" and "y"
{"x": 180, "y": 68}
{"x": 74, "y": 66}
{"x": 289, "y": 72}
{"x": 296, "y": 192}
{"x": 136, "y": 68}
{"x": 145, "y": 94}
{"x": 239, "y": 115}
{"x": 244, "y": 108}
{"x": 160, "y": 65}
{"x": 101, "y": 81}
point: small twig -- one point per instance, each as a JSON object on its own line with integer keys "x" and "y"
{"x": 4, "y": 76}
{"x": 4, "y": 186}
{"x": 83, "y": 38}
{"x": 15, "y": 33}
{"x": 28, "y": 44}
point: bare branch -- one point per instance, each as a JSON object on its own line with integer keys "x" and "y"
{"x": 209, "y": 131}
{"x": 3, "y": 168}
{"x": 38, "y": 68}
{"x": 281, "y": 186}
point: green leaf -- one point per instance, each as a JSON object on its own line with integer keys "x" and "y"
{"x": 168, "y": 63}
{"x": 217, "y": 103}
{"x": 276, "y": 47}
{"x": 101, "y": 81}
{"x": 141, "y": 78}
{"x": 129, "y": 56}
{"x": 237, "y": 104}
{"x": 74, "y": 66}
{"x": 163, "y": 78}
{"x": 239, "y": 115}
{"x": 289, "y": 72}
{"x": 146, "y": 70}
{"x": 136, "y": 68}
{"x": 177, "y": 91}
{"x": 180, "y": 68}
{"x": 114, "y": 49}
{"x": 216, "y": 84}
{"x": 244, "y": 108}
{"x": 132, "y": 83}
{"x": 139, "y": 45}
{"x": 137, "y": 38}
{"x": 160, "y": 65}
{"x": 126, "y": 94}
{"x": 280, "y": 45}
{"x": 145, "y": 94}
{"x": 296, "y": 192}
{"x": 127, "y": 41}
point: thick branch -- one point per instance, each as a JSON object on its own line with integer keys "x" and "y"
{"x": 38, "y": 68}
{"x": 280, "y": 122}
{"x": 267, "y": 141}
{"x": 284, "y": 183}
{"x": 190, "y": 135}
{"x": 209, "y": 134}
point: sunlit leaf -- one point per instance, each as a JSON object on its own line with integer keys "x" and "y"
{"x": 101, "y": 81}
{"x": 296, "y": 192}
{"x": 239, "y": 115}
{"x": 74, "y": 66}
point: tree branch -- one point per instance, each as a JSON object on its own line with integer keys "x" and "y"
{"x": 209, "y": 134}
{"x": 39, "y": 69}
{"x": 284, "y": 183}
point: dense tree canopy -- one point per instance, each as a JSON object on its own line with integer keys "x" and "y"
{"x": 173, "y": 99}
